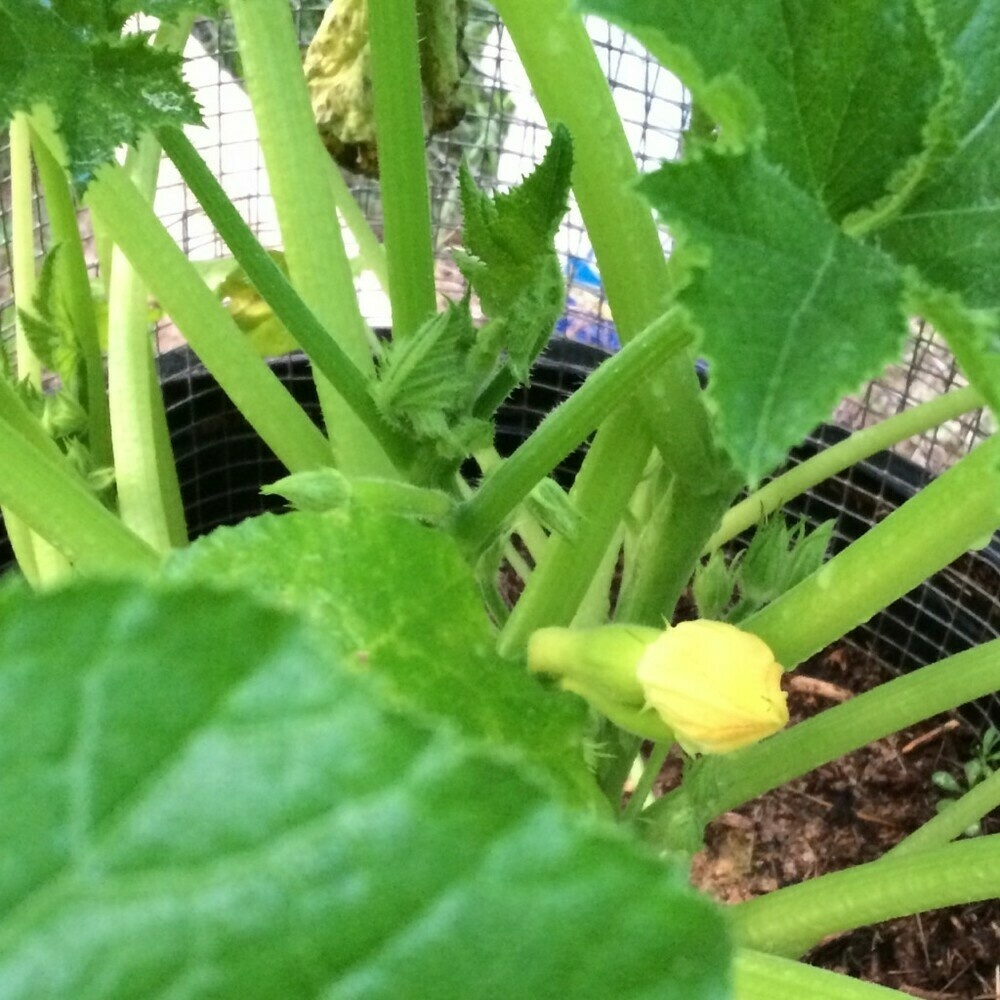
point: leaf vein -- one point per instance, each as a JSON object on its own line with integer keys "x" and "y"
{"x": 789, "y": 341}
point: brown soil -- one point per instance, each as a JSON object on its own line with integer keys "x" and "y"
{"x": 849, "y": 812}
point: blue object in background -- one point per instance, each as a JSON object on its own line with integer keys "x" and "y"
{"x": 584, "y": 320}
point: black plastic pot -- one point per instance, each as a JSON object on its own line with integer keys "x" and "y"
{"x": 222, "y": 464}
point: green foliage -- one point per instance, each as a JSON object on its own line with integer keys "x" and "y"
{"x": 50, "y": 331}
{"x": 878, "y": 115}
{"x": 428, "y": 382}
{"x": 443, "y": 382}
{"x": 950, "y": 229}
{"x": 321, "y": 490}
{"x": 297, "y": 763}
{"x": 844, "y": 97}
{"x": 204, "y": 801}
{"x": 778, "y": 558}
{"x": 975, "y": 770}
{"x": 103, "y": 89}
{"x": 48, "y": 327}
{"x": 509, "y": 257}
{"x": 794, "y": 314}
{"x": 397, "y": 598}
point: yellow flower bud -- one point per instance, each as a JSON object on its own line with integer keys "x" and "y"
{"x": 718, "y": 688}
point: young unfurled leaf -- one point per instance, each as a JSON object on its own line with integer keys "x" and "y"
{"x": 509, "y": 257}
{"x": 778, "y": 559}
{"x": 434, "y": 382}
{"x": 323, "y": 490}
{"x": 429, "y": 381}
{"x": 63, "y": 417}
{"x": 713, "y": 586}
{"x": 48, "y": 329}
{"x": 51, "y": 335}
{"x": 103, "y": 89}
{"x": 316, "y": 490}
{"x": 793, "y": 313}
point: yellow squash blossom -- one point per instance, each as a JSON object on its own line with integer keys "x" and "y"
{"x": 709, "y": 685}
{"x": 716, "y": 686}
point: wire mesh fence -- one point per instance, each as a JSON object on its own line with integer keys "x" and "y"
{"x": 501, "y": 137}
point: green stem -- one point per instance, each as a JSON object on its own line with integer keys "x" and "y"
{"x": 789, "y": 921}
{"x": 614, "y": 464}
{"x": 954, "y": 820}
{"x": 399, "y": 120}
{"x": 478, "y": 521}
{"x": 143, "y": 499}
{"x": 830, "y": 461}
{"x": 595, "y": 607}
{"x": 209, "y": 329}
{"x": 23, "y": 243}
{"x": 298, "y": 170}
{"x": 725, "y": 782}
{"x": 54, "y": 502}
{"x": 524, "y": 523}
{"x": 759, "y": 976}
{"x": 26, "y": 364}
{"x": 149, "y": 496}
{"x": 326, "y": 355}
{"x": 644, "y": 786}
{"x": 956, "y": 512}
{"x": 668, "y": 550}
{"x": 554, "y": 46}
{"x": 80, "y": 302}
{"x": 370, "y": 252}
{"x": 103, "y": 247}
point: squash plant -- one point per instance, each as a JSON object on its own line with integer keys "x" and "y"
{"x": 305, "y": 756}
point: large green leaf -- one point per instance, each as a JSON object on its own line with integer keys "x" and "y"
{"x": 397, "y": 599}
{"x": 951, "y": 229}
{"x": 845, "y": 96}
{"x": 793, "y": 313}
{"x": 201, "y": 803}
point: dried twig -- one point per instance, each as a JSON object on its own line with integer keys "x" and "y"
{"x": 802, "y": 684}
{"x": 919, "y": 741}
